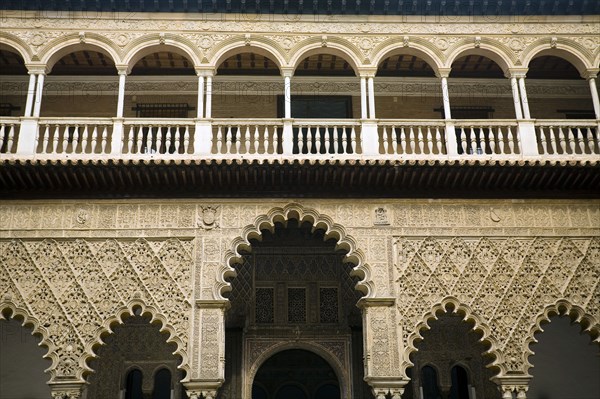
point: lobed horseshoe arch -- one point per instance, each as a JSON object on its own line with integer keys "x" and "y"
{"x": 341, "y": 374}
{"x": 452, "y": 304}
{"x": 9, "y": 310}
{"x": 282, "y": 215}
{"x": 561, "y": 307}
{"x": 135, "y": 307}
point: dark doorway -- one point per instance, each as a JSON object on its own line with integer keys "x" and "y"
{"x": 318, "y": 107}
{"x": 296, "y": 374}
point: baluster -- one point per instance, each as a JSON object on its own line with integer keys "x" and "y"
{"x": 595, "y": 143}
{"x": 219, "y": 140}
{"x": 12, "y": 131}
{"x": 403, "y": 139}
{"x": 228, "y": 140}
{"x": 318, "y": 139}
{"x": 309, "y": 139}
{"x": 421, "y": 140}
{"x": 438, "y": 140}
{"x": 46, "y": 140}
{"x": 390, "y": 141}
{"x": 463, "y": 140}
{"x": 561, "y": 143}
{"x": 84, "y": 139}
{"x": 65, "y": 139}
{"x": 55, "y": 139}
{"x": 255, "y": 141}
{"x": 105, "y": 139}
{"x": 492, "y": 139}
{"x": 167, "y": 134}
{"x": 186, "y": 140}
{"x": 543, "y": 141}
{"x": 473, "y": 140}
{"x": 135, "y": 137}
{"x": 327, "y": 140}
{"x": 148, "y": 138}
{"x": 177, "y": 140}
{"x": 2, "y": 130}
{"x": 266, "y": 140}
{"x": 501, "y": 146}
{"x": 580, "y": 142}
{"x": 412, "y": 138}
{"x": 130, "y": 141}
{"x": 344, "y": 140}
{"x": 353, "y": 140}
{"x": 553, "y": 144}
{"x": 384, "y": 139}
{"x": 510, "y": 137}
{"x": 572, "y": 139}
{"x": 429, "y": 138}
{"x": 481, "y": 140}
{"x": 590, "y": 140}
{"x": 75, "y": 140}
{"x": 238, "y": 145}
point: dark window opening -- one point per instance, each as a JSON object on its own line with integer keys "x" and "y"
{"x": 133, "y": 385}
{"x": 165, "y": 110}
{"x": 577, "y": 113}
{"x": 468, "y": 112}
{"x": 162, "y": 385}
{"x": 460, "y": 383}
{"x": 6, "y": 109}
{"x": 429, "y": 383}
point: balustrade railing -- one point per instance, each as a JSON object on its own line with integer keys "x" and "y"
{"x": 81, "y": 138}
{"x": 407, "y": 138}
{"x": 156, "y": 137}
{"x": 247, "y": 137}
{"x": 568, "y": 138}
{"x": 9, "y": 135}
{"x": 318, "y": 137}
{"x": 487, "y": 137}
{"x": 74, "y": 136}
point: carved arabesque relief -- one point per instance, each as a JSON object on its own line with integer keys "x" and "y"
{"x": 501, "y": 284}
{"x": 77, "y": 288}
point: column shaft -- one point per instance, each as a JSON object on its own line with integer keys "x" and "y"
{"x": 30, "y": 94}
{"x": 38, "y": 96}
{"x": 371, "y": 98}
{"x": 595, "y": 99}
{"x": 200, "y": 112}
{"x": 363, "y": 98}
{"x": 287, "y": 97}
{"x": 208, "y": 113}
{"x": 516, "y": 98}
{"x": 121, "y": 96}
{"x": 524, "y": 101}
{"x": 446, "y": 98}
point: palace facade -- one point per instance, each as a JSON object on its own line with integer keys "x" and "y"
{"x": 299, "y": 200}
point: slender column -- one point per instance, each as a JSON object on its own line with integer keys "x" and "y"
{"x": 38, "y": 95}
{"x": 363, "y": 97}
{"x": 287, "y": 96}
{"x": 121, "y": 96}
{"x": 524, "y": 101}
{"x": 208, "y": 113}
{"x": 200, "y": 113}
{"x": 595, "y": 100}
{"x": 371, "y": 98}
{"x": 30, "y": 94}
{"x": 446, "y": 98}
{"x": 516, "y": 98}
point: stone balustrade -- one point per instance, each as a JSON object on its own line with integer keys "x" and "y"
{"x": 289, "y": 139}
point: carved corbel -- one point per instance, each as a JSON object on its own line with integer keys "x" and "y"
{"x": 66, "y": 390}
{"x": 513, "y": 385}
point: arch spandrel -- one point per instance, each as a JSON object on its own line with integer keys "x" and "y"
{"x": 453, "y": 305}
{"x": 267, "y": 221}
{"x": 326, "y": 45}
{"x": 566, "y": 49}
{"x": 64, "y": 45}
{"x": 12, "y": 42}
{"x": 492, "y": 49}
{"x": 149, "y": 44}
{"x": 135, "y": 307}
{"x": 241, "y": 44}
{"x": 416, "y": 46}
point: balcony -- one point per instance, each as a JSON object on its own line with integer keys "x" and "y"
{"x": 285, "y": 140}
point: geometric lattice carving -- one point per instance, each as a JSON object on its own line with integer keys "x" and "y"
{"x": 74, "y": 286}
{"x": 265, "y": 311}
{"x": 505, "y": 282}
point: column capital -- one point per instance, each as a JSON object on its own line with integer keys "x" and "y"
{"x": 516, "y": 72}
{"x": 287, "y": 72}
{"x": 518, "y": 384}
{"x": 591, "y": 73}
{"x": 367, "y": 72}
{"x": 202, "y": 389}
{"x": 37, "y": 69}
{"x": 123, "y": 69}
{"x": 66, "y": 390}
{"x": 205, "y": 71}
{"x": 443, "y": 72}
